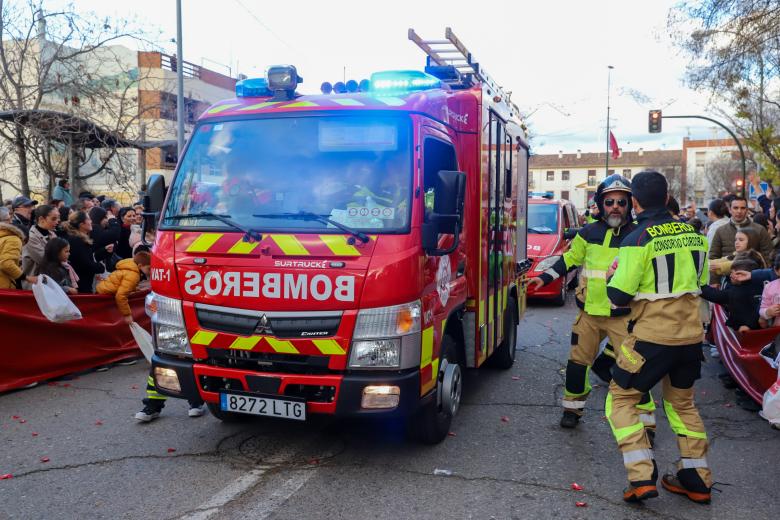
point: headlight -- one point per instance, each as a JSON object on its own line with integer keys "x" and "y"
{"x": 384, "y": 353}
{"x": 382, "y": 322}
{"x": 547, "y": 263}
{"x": 170, "y": 334}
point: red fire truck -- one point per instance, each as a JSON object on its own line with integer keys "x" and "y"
{"x": 348, "y": 253}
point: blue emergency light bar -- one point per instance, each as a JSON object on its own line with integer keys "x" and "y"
{"x": 253, "y": 87}
{"x": 400, "y": 81}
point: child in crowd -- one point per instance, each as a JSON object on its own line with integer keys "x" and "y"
{"x": 55, "y": 265}
{"x": 770, "y": 298}
{"x": 125, "y": 279}
{"x": 746, "y": 239}
{"x": 741, "y": 299}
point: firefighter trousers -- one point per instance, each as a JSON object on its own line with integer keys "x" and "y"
{"x": 641, "y": 365}
{"x": 587, "y": 334}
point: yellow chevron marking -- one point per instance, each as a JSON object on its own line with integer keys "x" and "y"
{"x": 301, "y": 104}
{"x": 283, "y": 347}
{"x": 243, "y": 248}
{"x": 391, "y": 101}
{"x": 245, "y": 343}
{"x": 177, "y": 236}
{"x": 329, "y": 346}
{"x": 221, "y": 108}
{"x": 339, "y": 246}
{"x": 347, "y": 102}
{"x": 289, "y": 245}
{"x": 258, "y": 106}
{"x": 427, "y": 347}
{"x": 204, "y": 242}
{"x": 203, "y": 338}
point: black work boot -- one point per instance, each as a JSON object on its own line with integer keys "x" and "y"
{"x": 570, "y": 419}
{"x": 687, "y": 483}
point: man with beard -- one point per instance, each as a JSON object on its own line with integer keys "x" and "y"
{"x": 595, "y": 248}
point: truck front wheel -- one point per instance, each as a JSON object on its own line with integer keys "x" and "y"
{"x": 228, "y": 417}
{"x": 504, "y": 355}
{"x": 431, "y": 424}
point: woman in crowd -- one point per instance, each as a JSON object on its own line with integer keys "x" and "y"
{"x": 11, "y": 239}
{"x": 82, "y": 253}
{"x": 46, "y": 219}
{"x": 104, "y": 233}
{"x": 127, "y": 218}
{"x": 55, "y": 265}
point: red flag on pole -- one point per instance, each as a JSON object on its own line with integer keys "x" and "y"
{"x": 613, "y": 146}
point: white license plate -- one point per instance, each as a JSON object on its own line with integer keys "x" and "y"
{"x": 268, "y": 406}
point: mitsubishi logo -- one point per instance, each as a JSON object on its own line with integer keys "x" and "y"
{"x": 264, "y": 326}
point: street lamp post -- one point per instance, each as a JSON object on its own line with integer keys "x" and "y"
{"x": 180, "y": 84}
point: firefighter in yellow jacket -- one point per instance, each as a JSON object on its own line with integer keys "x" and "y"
{"x": 661, "y": 266}
{"x": 595, "y": 248}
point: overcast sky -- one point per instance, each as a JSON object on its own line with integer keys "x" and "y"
{"x": 552, "y": 55}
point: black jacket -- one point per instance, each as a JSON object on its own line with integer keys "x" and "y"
{"x": 82, "y": 259}
{"x": 122, "y": 247}
{"x": 103, "y": 237}
{"x": 22, "y": 223}
{"x": 741, "y": 301}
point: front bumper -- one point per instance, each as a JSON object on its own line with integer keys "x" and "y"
{"x": 331, "y": 394}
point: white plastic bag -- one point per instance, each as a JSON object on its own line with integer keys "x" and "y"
{"x": 771, "y": 409}
{"x": 53, "y": 302}
{"x": 144, "y": 340}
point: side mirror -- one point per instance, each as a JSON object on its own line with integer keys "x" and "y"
{"x": 155, "y": 194}
{"x": 570, "y": 233}
{"x": 153, "y": 203}
{"x": 447, "y": 215}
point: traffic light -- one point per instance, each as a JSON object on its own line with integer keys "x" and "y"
{"x": 654, "y": 122}
{"x": 739, "y": 185}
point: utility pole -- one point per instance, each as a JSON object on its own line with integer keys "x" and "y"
{"x": 180, "y": 84}
{"x": 609, "y": 87}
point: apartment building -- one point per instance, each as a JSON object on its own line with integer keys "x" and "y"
{"x": 575, "y": 176}
{"x": 711, "y": 166}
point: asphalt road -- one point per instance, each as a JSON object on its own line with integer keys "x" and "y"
{"x": 75, "y": 451}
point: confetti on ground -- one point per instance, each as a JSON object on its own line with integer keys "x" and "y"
{"x": 504, "y": 418}
{"x": 34, "y": 434}
{"x": 515, "y": 378}
{"x": 314, "y": 461}
{"x": 44, "y": 459}
{"x": 98, "y": 423}
{"x": 444, "y": 472}
{"x": 66, "y": 385}
{"x": 452, "y": 434}
{"x": 14, "y": 417}
{"x": 581, "y": 504}
{"x": 134, "y": 387}
{"x": 576, "y": 487}
{"x": 22, "y": 421}
{"x": 728, "y": 405}
{"x": 6, "y": 476}
{"x": 171, "y": 450}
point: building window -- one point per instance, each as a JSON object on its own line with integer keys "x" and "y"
{"x": 565, "y": 175}
{"x": 565, "y": 194}
{"x": 591, "y": 177}
{"x": 610, "y": 172}
{"x": 627, "y": 174}
{"x": 550, "y": 176}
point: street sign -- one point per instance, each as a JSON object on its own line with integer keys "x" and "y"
{"x": 752, "y": 190}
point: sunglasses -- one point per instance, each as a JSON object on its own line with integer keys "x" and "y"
{"x": 611, "y": 202}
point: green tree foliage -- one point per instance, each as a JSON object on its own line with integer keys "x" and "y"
{"x": 734, "y": 46}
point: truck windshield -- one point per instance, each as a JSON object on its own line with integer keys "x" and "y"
{"x": 543, "y": 219}
{"x": 261, "y": 172}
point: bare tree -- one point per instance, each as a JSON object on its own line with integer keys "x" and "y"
{"x": 721, "y": 173}
{"x": 66, "y": 61}
{"x": 734, "y": 46}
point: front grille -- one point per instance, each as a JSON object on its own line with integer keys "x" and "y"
{"x": 247, "y": 323}
{"x": 284, "y": 363}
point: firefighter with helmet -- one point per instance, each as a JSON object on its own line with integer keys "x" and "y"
{"x": 662, "y": 265}
{"x": 595, "y": 248}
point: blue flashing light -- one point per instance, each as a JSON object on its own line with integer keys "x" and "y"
{"x": 364, "y": 85}
{"x": 326, "y": 88}
{"x": 400, "y": 81}
{"x": 352, "y": 86}
{"x": 252, "y": 87}
{"x": 339, "y": 87}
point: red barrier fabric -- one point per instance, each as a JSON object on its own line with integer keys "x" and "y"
{"x": 33, "y": 349}
{"x": 740, "y": 354}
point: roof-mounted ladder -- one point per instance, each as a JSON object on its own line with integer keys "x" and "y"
{"x": 451, "y": 52}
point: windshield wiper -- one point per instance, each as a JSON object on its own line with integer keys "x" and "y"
{"x": 250, "y": 235}
{"x": 308, "y": 215}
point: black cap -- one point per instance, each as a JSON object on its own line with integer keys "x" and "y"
{"x": 86, "y": 195}
{"x": 21, "y": 200}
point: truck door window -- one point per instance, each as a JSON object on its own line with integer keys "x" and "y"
{"x": 437, "y": 155}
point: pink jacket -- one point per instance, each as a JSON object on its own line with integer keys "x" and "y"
{"x": 770, "y": 296}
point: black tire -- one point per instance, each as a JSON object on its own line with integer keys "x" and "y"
{"x": 227, "y": 417}
{"x": 431, "y": 424}
{"x": 560, "y": 300}
{"x": 504, "y": 356}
